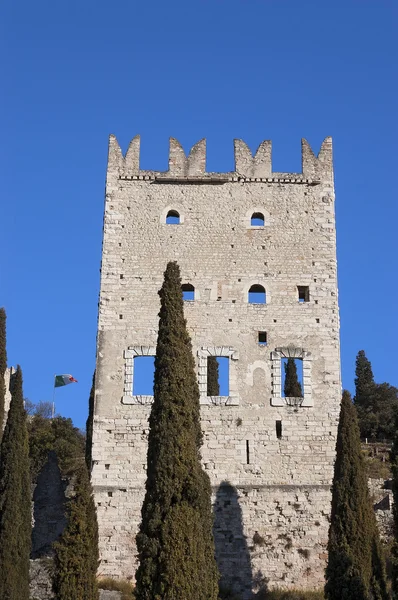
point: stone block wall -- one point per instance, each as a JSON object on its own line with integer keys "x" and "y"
{"x": 275, "y": 461}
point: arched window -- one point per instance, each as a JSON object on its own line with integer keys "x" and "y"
{"x": 188, "y": 291}
{"x": 256, "y": 294}
{"x": 257, "y": 220}
{"x": 172, "y": 218}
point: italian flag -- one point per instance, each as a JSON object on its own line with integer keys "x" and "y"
{"x": 61, "y": 380}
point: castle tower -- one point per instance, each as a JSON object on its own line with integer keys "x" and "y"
{"x": 269, "y": 457}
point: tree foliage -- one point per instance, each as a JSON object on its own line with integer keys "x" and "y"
{"x": 175, "y": 541}
{"x": 15, "y": 504}
{"x": 56, "y": 434}
{"x": 213, "y": 387}
{"x": 376, "y": 403}
{"x": 355, "y": 569}
{"x": 292, "y": 387}
{"x": 89, "y": 426}
{"x": 76, "y": 552}
{"x": 3, "y": 366}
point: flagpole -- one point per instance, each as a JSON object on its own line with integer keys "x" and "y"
{"x": 53, "y": 406}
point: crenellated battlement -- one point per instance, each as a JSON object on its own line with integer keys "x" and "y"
{"x": 192, "y": 167}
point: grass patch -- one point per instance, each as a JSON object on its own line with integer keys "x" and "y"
{"x": 117, "y": 585}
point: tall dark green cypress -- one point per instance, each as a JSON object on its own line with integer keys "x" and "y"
{"x": 76, "y": 552}
{"x": 175, "y": 541}
{"x": 3, "y": 366}
{"x": 355, "y": 570}
{"x": 213, "y": 387}
{"x": 292, "y": 387}
{"x": 364, "y": 380}
{"x": 89, "y": 426}
{"x": 15, "y": 504}
{"x": 394, "y": 467}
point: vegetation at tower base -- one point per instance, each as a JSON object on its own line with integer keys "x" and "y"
{"x": 376, "y": 403}
{"x": 89, "y": 426}
{"x": 76, "y": 552}
{"x": 394, "y": 553}
{"x": 292, "y": 387}
{"x": 175, "y": 541}
{"x": 213, "y": 387}
{"x": 3, "y": 366}
{"x": 355, "y": 569}
{"x": 15, "y": 504}
{"x": 60, "y": 435}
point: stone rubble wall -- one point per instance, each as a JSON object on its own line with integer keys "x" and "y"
{"x": 282, "y": 485}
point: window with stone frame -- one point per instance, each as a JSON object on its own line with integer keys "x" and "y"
{"x": 130, "y": 355}
{"x": 218, "y": 352}
{"x": 278, "y": 357}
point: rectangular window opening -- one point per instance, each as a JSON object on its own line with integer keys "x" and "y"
{"x": 247, "y": 452}
{"x": 303, "y": 293}
{"x": 292, "y": 377}
{"x": 262, "y": 338}
{"x": 144, "y": 370}
{"x": 218, "y": 376}
{"x": 278, "y": 426}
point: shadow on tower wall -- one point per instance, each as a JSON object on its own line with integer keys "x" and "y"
{"x": 48, "y": 508}
{"x": 232, "y": 551}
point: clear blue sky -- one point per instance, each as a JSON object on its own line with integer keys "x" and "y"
{"x": 256, "y": 69}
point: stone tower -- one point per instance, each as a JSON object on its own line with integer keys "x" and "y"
{"x": 269, "y": 458}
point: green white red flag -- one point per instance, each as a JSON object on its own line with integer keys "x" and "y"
{"x": 61, "y": 380}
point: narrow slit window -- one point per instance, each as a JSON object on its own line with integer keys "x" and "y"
{"x": 188, "y": 292}
{"x": 173, "y": 218}
{"x": 257, "y": 220}
{"x": 303, "y": 293}
{"x": 247, "y": 452}
{"x": 218, "y": 376}
{"x": 257, "y": 295}
{"x": 144, "y": 371}
{"x": 292, "y": 377}
{"x": 278, "y": 427}
{"x": 262, "y": 338}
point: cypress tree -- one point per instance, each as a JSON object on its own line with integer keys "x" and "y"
{"x": 175, "y": 541}
{"x": 292, "y": 387}
{"x": 89, "y": 426}
{"x": 76, "y": 552}
{"x": 364, "y": 380}
{"x": 355, "y": 569}
{"x": 394, "y": 553}
{"x": 3, "y": 366}
{"x": 15, "y": 504}
{"x": 213, "y": 387}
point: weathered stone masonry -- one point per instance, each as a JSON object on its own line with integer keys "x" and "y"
{"x": 271, "y": 491}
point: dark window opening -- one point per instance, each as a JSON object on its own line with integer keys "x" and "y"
{"x": 257, "y": 220}
{"x": 173, "y": 218}
{"x": 292, "y": 377}
{"x": 262, "y": 338}
{"x": 303, "y": 293}
{"x": 247, "y": 452}
{"x": 144, "y": 370}
{"x": 218, "y": 376}
{"x": 188, "y": 292}
{"x": 278, "y": 427}
{"x": 257, "y": 294}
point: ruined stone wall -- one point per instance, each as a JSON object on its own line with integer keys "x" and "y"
{"x": 271, "y": 494}
{"x": 7, "y": 380}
